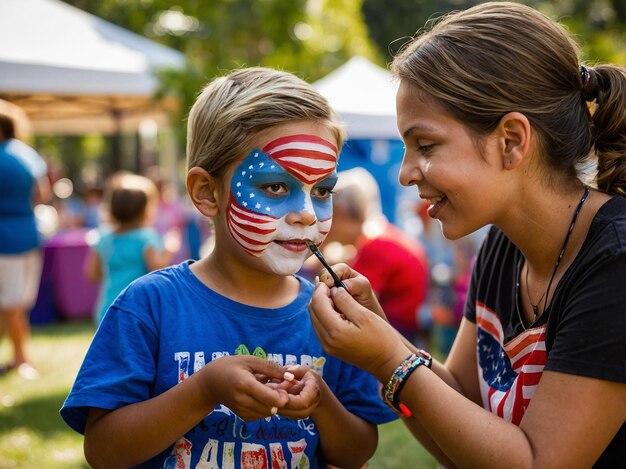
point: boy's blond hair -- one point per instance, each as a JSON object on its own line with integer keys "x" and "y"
{"x": 231, "y": 110}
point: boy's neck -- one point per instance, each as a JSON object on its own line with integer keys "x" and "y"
{"x": 252, "y": 288}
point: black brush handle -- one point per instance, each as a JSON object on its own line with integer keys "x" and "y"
{"x": 318, "y": 254}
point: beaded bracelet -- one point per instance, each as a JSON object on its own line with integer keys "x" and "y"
{"x": 426, "y": 356}
{"x": 391, "y": 393}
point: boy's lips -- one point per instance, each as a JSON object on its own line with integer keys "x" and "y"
{"x": 295, "y": 245}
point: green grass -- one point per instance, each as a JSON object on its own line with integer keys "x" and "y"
{"x": 32, "y": 434}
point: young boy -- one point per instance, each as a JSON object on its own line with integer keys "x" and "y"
{"x": 188, "y": 366}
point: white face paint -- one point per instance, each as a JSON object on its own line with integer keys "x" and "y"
{"x": 283, "y": 260}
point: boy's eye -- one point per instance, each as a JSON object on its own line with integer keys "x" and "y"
{"x": 275, "y": 189}
{"x": 321, "y": 193}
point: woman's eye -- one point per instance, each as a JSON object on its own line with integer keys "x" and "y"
{"x": 425, "y": 149}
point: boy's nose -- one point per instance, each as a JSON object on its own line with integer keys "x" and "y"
{"x": 303, "y": 217}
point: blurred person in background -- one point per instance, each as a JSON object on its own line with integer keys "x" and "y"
{"x": 23, "y": 184}
{"x": 450, "y": 264}
{"x": 394, "y": 262}
{"x": 129, "y": 247}
{"x": 92, "y": 205}
{"x": 173, "y": 216}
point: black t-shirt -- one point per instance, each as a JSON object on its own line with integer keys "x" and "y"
{"x": 583, "y": 331}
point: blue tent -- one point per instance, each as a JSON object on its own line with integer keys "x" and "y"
{"x": 364, "y": 95}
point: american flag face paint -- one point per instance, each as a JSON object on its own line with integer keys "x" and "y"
{"x": 290, "y": 174}
{"x": 307, "y": 157}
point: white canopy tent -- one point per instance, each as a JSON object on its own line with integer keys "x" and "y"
{"x": 364, "y": 95}
{"x": 73, "y": 72}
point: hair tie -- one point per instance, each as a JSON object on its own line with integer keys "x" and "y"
{"x": 585, "y": 75}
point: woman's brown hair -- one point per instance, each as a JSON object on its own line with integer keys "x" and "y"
{"x": 500, "y": 57}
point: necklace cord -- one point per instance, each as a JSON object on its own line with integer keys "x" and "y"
{"x": 546, "y": 293}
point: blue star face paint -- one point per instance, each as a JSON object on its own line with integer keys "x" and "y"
{"x": 261, "y": 185}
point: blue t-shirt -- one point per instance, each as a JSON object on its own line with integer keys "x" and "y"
{"x": 122, "y": 256}
{"x": 167, "y": 325}
{"x": 20, "y": 167}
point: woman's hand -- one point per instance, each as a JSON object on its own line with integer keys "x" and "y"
{"x": 358, "y": 285}
{"x": 240, "y": 383}
{"x": 354, "y": 333}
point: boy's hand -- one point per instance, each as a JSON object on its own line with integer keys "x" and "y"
{"x": 239, "y": 383}
{"x": 303, "y": 386}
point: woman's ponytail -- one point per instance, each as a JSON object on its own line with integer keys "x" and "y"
{"x": 607, "y": 86}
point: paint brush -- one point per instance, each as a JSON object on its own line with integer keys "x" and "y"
{"x": 318, "y": 254}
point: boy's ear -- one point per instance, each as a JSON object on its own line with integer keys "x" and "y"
{"x": 204, "y": 190}
{"x": 515, "y": 139}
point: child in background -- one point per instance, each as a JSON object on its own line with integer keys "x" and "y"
{"x": 215, "y": 362}
{"x": 129, "y": 247}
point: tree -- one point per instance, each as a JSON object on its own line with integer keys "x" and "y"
{"x": 307, "y": 37}
{"x": 600, "y": 25}
{"x": 393, "y": 24}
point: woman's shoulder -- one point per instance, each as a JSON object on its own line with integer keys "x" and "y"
{"x": 608, "y": 228}
{"x": 613, "y": 211}
{"x": 496, "y": 246}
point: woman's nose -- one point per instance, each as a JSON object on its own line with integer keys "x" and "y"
{"x": 411, "y": 170}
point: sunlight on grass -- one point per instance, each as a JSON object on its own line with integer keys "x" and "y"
{"x": 397, "y": 449}
{"x": 32, "y": 434}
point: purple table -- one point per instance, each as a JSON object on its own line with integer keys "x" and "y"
{"x": 65, "y": 254}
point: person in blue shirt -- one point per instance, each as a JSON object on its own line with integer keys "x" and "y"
{"x": 23, "y": 183}
{"x": 127, "y": 247}
{"x": 215, "y": 363}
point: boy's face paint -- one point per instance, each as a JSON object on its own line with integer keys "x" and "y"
{"x": 292, "y": 174}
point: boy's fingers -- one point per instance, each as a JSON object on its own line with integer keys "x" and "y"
{"x": 267, "y": 368}
{"x": 267, "y": 396}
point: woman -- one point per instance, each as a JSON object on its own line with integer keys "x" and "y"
{"x": 498, "y": 118}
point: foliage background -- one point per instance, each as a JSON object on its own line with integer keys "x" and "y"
{"x": 307, "y": 37}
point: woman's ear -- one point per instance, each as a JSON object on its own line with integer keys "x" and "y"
{"x": 204, "y": 191}
{"x": 515, "y": 139}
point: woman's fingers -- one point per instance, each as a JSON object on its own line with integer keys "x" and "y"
{"x": 358, "y": 286}
{"x": 323, "y": 315}
{"x": 350, "y": 331}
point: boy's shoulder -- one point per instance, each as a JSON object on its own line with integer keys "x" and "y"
{"x": 305, "y": 283}
{"x": 162, "y": 281}
{"x": 177, "y": 273}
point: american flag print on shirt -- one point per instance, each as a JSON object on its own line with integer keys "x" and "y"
{"x": 508, "y": 373}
